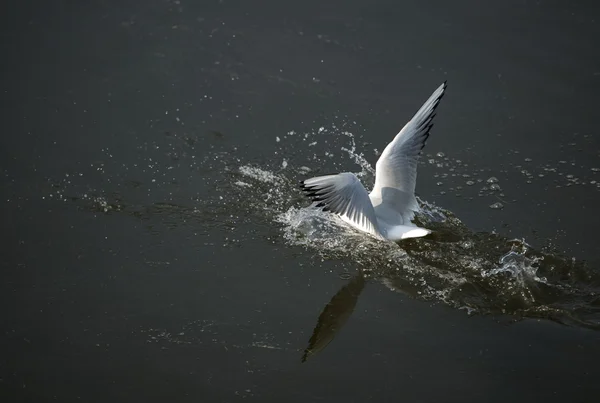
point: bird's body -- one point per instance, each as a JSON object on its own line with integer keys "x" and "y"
{"x": 387, "y": 211}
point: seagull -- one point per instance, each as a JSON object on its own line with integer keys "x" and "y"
{"x": 387, "y": 212}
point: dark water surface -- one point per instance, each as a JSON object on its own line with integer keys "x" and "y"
{"x": 156, "y": 247}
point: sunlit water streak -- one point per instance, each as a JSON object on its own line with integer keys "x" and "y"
{"x": 481, "y": 273}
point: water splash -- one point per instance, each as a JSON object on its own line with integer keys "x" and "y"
{"x": 359, "y": 159}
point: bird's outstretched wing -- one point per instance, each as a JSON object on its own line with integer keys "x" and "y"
{"x": 396, "y": 169}
{"x": 344, "y": 195}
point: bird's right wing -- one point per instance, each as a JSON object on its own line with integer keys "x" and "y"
{"x": 397, "y": 165}
{"x": 344, "y": 195}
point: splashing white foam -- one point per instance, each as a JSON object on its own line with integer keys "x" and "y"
{"x": 518, "y": 265}
{"x": 259, "y": 174}
{"x": 359, "y": 159}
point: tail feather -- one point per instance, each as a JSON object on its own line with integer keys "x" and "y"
{"x": 398, "y": 232}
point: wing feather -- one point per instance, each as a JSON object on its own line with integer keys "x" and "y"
{"x": 396, "y": 169}
{"x": 344, "y": 194}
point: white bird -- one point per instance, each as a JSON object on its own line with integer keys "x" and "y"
{"x": 387, "y": 211}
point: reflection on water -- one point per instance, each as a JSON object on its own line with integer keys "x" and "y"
{"x": 335, "y": 315}
{"x": 481, "y": 273}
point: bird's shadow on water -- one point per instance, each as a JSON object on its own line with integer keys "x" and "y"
{"x": 335, "y": 315}
{"x": 337, "y": 312}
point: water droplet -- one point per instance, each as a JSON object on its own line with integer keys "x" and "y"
{"x": 497, "y": 206}
{"x": 492, "y": 179}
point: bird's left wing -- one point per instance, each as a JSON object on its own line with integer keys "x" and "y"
{"x": 344, "y": 195}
